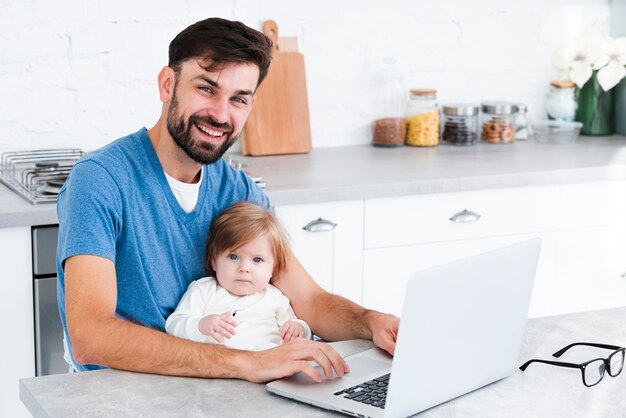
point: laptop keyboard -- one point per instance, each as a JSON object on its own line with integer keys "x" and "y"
{"x": 373, "y": 392}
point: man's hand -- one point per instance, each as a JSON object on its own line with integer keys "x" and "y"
{"x": 384, "y": 330}
{"x": 293, "y": 357}
{"x": 218, "y": 326}
{"x": 291, "y": 330}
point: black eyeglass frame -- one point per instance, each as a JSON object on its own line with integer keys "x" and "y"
{"x": 607, "y": 361}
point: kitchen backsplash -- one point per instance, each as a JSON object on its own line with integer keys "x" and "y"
{"x": 82, "y": 73}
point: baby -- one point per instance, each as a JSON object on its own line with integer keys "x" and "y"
{"x": 237, "y": 306}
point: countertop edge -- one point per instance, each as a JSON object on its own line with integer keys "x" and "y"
{"x": 30, "y": 403}
{"x": 27, "y": 218}
{"x": 448, "y": 185}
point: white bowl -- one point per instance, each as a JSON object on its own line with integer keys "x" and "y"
{"x": 555, "y": 131}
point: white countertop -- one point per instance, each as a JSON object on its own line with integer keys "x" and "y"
{"x": 540, "y": 391}
{"x": 362, "y": 172}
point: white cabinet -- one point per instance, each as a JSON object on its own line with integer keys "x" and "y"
{"x": 378, "y": 243}
{"x": 592, "y": 268}
{"x": 17, "y": 351}
{"x": 582, "y": 264}
{"x": 333, "y": 255}
{"x": 388, "y": 269}
{"x": 591, "y": 249}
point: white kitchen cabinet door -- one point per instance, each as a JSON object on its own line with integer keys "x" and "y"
{"x": 387, "y": 270}
{"x": 333, "y": 256}
{"x": 17, "y": 352}
{"x": 597, "y": 203}
{"x": 591, "y": 268}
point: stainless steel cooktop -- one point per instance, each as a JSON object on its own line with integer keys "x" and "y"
{"x": 37, "y": 175}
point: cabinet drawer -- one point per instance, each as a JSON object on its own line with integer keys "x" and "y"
{"x": 427, "y": 218}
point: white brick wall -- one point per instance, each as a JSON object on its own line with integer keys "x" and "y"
{"x": 83, "y": 72}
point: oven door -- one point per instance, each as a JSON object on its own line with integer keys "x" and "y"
{"x": 48, "y": 331}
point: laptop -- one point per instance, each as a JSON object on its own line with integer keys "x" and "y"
{"x": 462, "y": 327}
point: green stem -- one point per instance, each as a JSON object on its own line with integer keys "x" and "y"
{"x": 595, "y": 108}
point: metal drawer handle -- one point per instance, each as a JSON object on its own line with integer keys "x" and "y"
{"x": 320, "y": 225}
{"x": 465, "y": 216}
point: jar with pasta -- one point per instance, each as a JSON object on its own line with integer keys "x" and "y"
{"x": 497, "y": 122}
{"x": 422, "y": 124}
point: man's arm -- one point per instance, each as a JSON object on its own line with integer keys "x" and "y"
{"x": 98, "y": 336}
{"x": 333, "y": 317}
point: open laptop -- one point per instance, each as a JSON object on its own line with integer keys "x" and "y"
{"x": 461, "y": 328}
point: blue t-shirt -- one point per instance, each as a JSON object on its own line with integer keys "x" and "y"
{"x": 117, "y": 204}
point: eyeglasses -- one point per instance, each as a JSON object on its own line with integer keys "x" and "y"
{"x": 592, "y": 370}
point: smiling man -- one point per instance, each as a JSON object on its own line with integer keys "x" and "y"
{"x": 134, "y": 217}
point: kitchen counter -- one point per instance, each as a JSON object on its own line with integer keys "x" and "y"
{"x": 15, "y": 211}
{"x": 361, "y": 172}
{"x": 541, "y": 391}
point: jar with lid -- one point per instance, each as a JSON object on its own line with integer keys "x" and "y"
{"x": 422, "y": 125}
{"x": 460, "y": 125}
{"x": 521, "y": 123}
{"x": 497, "y": 122}
{"x": 389, "y": 126}
{"x": 561, "y": 102}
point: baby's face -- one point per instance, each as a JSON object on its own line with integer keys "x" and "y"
{"x": 245, "y": 270}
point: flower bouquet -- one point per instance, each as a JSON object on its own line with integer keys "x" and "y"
{"x": 596, "y": 66}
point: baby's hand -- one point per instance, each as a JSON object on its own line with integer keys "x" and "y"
{"x": 291, "y": 330}
{"x": 218, "y": 326}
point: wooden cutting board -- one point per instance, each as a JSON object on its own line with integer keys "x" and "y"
{"x": 279, "y": 121}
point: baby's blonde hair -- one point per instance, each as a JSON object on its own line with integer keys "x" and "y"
{"x": 239, "y": 224}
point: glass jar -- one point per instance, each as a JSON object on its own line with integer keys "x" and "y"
{"x": 521, "y": 123}
{"x": 497, "y": 122}
{"x": 460, "y": 125}
{"x": 561, "y": 102}
{"x": 388, "y": 132}
{"x": 389, "y": 97}
{"x": 422, "y": 125}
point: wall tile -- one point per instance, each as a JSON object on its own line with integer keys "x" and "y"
{"x": 83, "y": 73}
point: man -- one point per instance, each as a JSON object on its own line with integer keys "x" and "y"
{"x": 134, "y": 217}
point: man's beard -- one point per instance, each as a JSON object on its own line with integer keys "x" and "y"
{"x": 202, "y": 152}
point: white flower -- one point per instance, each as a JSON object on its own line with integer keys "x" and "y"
{"x": 611, "y": 63}
{"x": 577, "y": 61}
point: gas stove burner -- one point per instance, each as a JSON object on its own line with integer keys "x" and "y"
{"x": 57, "y": 181}
{"x": 50, "y": 186}
{"x": 38, "y": 175}
{"x": 46, "y": 166}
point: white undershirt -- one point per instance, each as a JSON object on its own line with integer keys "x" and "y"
{"x": 186, "y": 194}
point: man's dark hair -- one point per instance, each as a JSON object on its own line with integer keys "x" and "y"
{"x": 218, "y": 41}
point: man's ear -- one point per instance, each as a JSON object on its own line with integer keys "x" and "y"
{"x": 167, "y": 82}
